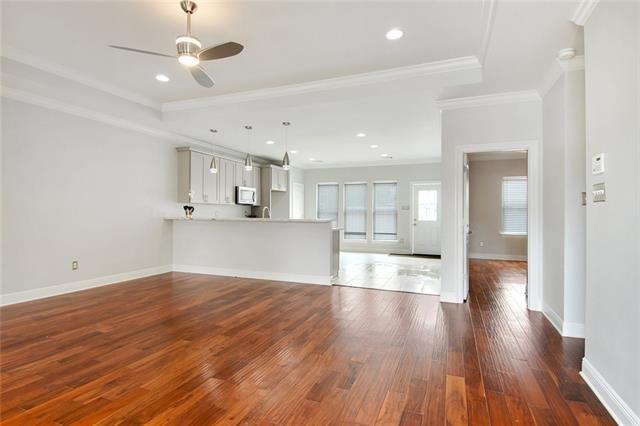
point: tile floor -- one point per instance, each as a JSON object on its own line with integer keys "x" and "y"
{"x": 388, "y": 272}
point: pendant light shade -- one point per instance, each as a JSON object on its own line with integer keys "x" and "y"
{"x": 248, "y": 161}
{"x": 286, "y": 164}
{"x": 213, "y": 167}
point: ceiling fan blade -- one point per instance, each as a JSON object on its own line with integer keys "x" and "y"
{"x": 141, "y": 51}
{"x": 220, "y": 51}
{"x": 201, "y": 76}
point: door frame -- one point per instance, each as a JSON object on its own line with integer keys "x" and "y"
{"x": 534, "y": 237}
{"x": 411, "y": 209}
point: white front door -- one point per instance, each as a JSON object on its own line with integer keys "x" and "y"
{"x": 426, "y": 218}
{"x": 297, "y": 202}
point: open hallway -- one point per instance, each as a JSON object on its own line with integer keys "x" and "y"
{"x": 187, "y": 348}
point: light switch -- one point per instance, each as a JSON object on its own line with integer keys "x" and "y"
{"x": 599, "y": 194}
{"x": 597, "y": 164}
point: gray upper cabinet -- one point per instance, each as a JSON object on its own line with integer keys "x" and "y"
{"x": 279, "y": 179}
{"x": 226, "y": 181}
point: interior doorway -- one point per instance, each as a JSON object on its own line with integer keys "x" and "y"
{"x": 495, "y": 213}
{"x": 426, "y": 215}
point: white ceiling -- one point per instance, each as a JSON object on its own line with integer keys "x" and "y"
{"x": 300, "y": 43}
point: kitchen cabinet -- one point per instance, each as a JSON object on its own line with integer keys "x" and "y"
{"x": 210, "y": 189}
{"x": 226, "y": 181}
{"x": 279, "y": 179}
{"x": 256, "y": 184}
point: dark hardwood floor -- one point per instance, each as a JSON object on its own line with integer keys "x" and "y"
{"x": 195, "y": 349}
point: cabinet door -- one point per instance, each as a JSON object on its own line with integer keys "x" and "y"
{"x": 282, "y": 180}
{"x": 229, "y": 182}
{"x": 196, "y": 178}
{"x": 239, "y": 171}
{"x": 256, "y": 184}
{"x": 211, "y": 190}
{"x": 274, "y": 178}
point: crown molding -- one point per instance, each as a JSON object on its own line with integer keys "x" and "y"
{"x": 488, "y": 13}
{"x": 486, "y": 100}
{"x": 64, "y": 72}
{"x": 584, "y": 11}
{"x": 556, "y": 70}
{"x": 381, "y": 163}
{"x": 375, "y": 77}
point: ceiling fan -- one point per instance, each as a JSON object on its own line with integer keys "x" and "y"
{"x": 190, "y": 51}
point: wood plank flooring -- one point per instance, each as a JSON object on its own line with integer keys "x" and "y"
{"x": 194, "y": 349}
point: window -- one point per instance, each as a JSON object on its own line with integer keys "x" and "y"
{"x": 385, "y": 211}
{"x": 514, "y": 205}
{"x": 328, "y": 201}
{"x": 355, "y": 211}
{"x": 428, "y": 205}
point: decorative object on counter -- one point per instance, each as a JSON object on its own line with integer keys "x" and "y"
{"x": 248, "y": 161}
{"x": 188, "y": 211}
{"x": 286, "y": 164}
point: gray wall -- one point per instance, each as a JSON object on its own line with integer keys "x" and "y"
{"x": 403, "y": 174}
{"x": 485, "y": 210}
{"x": 612, "y": 50}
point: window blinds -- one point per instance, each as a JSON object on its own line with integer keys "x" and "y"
{"x": 514, "y": 205}
{"x": 385, "y": 211}
{"x": 355, "y": 211}
{"x": 328, "y": 202}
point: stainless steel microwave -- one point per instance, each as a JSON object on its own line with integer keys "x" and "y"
{"x": 245, "y": 195}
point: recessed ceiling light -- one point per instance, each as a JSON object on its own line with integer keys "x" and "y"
{"x": 269, "y": 142}
{"x": 293, "y": 151}
{"x": 373, "y": 146}
{"x": 312, "y": 159}
{"x": 385, "y": 155}
{"x": 361, "y": 135}
{"x": 163, "y": 78}
{"x": 394, "y": 34}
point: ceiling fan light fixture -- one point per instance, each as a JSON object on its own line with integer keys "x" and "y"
{"x": 188, "y": 47}
{"x": 189, "y": 60}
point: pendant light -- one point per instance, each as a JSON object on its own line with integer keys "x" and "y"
{"x": 248, "y": 161}
{"x": 213, "y": 167}
{"x": 286, "y": 164}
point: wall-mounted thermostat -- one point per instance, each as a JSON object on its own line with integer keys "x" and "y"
{"x": 597, "y": 164}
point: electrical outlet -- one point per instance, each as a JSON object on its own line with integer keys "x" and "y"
{"x": 74, "y": 265}
{"x": 481, "y": 243}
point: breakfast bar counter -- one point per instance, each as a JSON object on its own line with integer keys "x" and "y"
{"x": 297, "y": 250}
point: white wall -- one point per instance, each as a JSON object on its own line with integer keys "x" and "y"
{"x": 403, "y": 174}
{"x": 489, "y": 126}
{"x": 485, "y": 210}
{"x": 564, "y": 214}
{"x": 612, "y": 57}
{"x": 75, "y": 189}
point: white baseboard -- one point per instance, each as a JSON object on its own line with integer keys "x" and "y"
{"x": 369, "y": 248}
{"x": 55, "y": 290}
{"x": 494, "y": 256}
{"x": 617, "y": 407}
{"x": 261, "y": 275}
{"x": 449, "y": 297}
{"x": 573, "y": 329}
{"x": 553, "y": 317}
{"x": 566, "y": 329}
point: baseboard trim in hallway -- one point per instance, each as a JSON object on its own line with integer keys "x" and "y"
{"x": 617, "y": 407}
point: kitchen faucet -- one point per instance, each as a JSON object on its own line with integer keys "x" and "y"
{"x": 267, "y": 209}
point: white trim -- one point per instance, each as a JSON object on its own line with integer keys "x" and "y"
{"x": 488, "y": 26}
{"x": 565, "y": 329}
{"x": 449, "y": 297}
{"x": 496, "y": 256}
{"x": 369, "y": 248}
{"x": 617, "y": 407}
{"x": 556, "y": 70}
{"x": 575, "y": 64}
{"x": 553, "y": 317}
{"x": 261, "y": 275}
{"x": 573, "y": 329}
{"x": 534, "y": 240}
{"x": 55, "y": 290}
{"x": 584, "y": 11}
{"x": 375, "y": 77}
{"x": 19, "y": 55}
{"x": 492, "y": 99}
{"x": 380, "y": 163}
